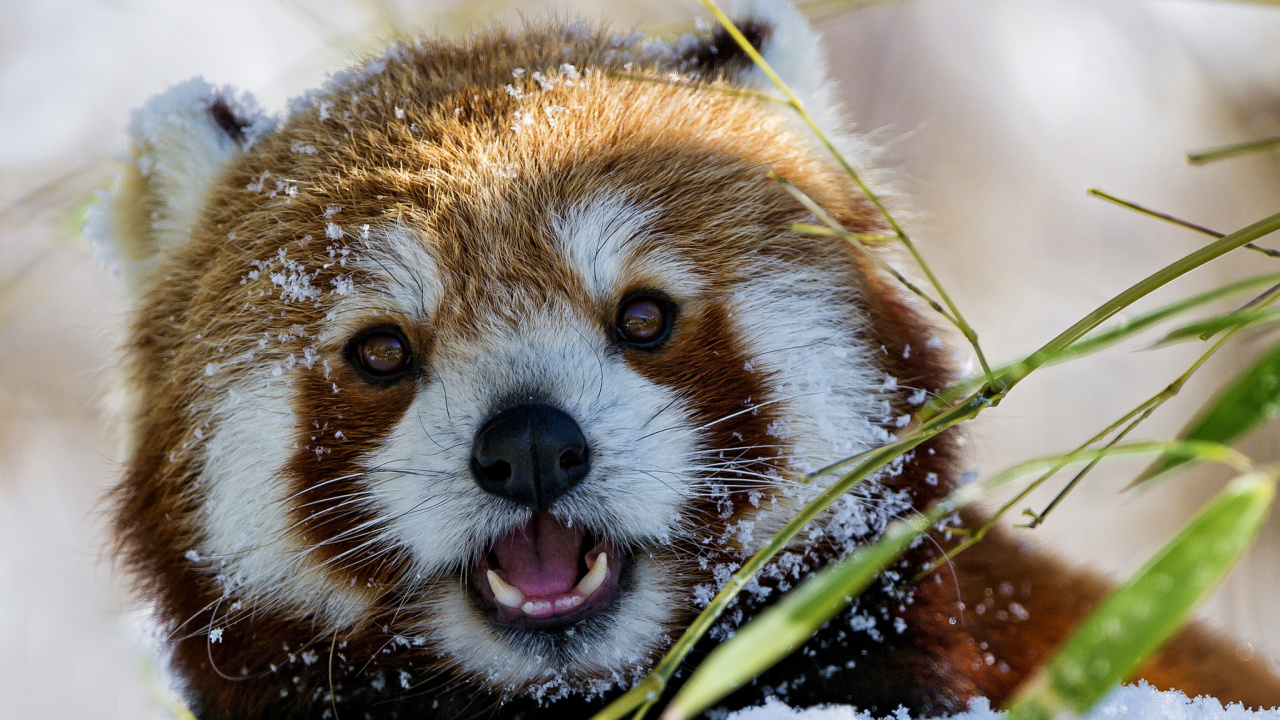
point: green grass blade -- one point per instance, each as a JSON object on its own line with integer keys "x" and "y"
{"x": 1141, "y": 289}
{"x": 1117, "y": 332}
{"x": 1251, "y": 399}
{"x": 1201, "y": 157}
{"x": 1142, "y": 614}
{"x": 1210, "y": 326}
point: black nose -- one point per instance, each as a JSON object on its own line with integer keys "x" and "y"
{"x": 531, "y": 454}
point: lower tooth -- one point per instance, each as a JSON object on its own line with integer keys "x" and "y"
{"x": 569, "y": 602}
{"x": 595, "y": 578}
{"x": 504, "y": 593}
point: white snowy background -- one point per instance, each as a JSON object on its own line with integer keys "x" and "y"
{"x": 996, "y": 114}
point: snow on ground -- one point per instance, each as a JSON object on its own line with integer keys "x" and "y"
{"x": 1130, "y": 702}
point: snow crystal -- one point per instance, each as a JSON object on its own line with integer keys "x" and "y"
{"x": 522, "y": 119}
{"x": 543, "y": 81}
{"x": 344, "y": 285}
{"x": 300, "y": 147}
{"x": 1132, "y": 702}
{"x": 215, "y": 635}
{"x": 333, "y": 231}
{"x": 294, "y": 280}
{"x": 257, "y": 185}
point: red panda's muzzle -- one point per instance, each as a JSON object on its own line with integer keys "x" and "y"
{"x": 548, "y": 574}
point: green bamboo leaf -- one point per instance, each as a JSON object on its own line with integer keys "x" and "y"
{"x": 781, "y": 629}
{"x": 1213, "y": 325}
{"x": 1139, "y": 616}
{"x": 1251, "y": 399}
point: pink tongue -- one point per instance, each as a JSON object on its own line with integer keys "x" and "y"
{"x": 540, "y": 559}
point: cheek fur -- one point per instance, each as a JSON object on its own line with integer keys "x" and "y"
{"x": 706, "y": 364}
{"x": 340, "y": 426}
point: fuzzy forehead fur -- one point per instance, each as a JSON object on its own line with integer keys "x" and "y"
{"x": 494, "y": 201}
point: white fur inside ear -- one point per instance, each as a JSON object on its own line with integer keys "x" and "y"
{"x": 179, "y": 149}
{"x": 794, "y": 51}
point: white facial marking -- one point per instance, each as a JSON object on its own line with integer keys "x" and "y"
{"x": 830, "y": 394}
{"x": 596, "y": 238}
{"x": 246, "y": 510}
{"x": 406, "y": 280}
{"x": 604, "y": 240}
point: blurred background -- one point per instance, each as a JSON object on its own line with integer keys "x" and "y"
{"x": 994, "y": 116}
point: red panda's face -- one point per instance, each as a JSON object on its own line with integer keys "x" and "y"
{"x": 510, "y": 396}
{"x": 536, "y": 432}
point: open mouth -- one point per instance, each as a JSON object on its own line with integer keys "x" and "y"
{"x": 548, "y": 574}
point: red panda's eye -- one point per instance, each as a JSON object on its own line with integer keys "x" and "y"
{"x": 382, "y": 353}
{"x": 644, "y": 322}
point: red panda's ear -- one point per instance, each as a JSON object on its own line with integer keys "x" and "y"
{"x": 182, "y": 140}
{"x": 794, "y": 51}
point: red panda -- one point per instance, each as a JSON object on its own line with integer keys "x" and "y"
{"x": 460, "y": 389}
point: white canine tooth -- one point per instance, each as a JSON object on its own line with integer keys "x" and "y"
{"x": 594, "y": 578}
{"x": 504, "y": 593}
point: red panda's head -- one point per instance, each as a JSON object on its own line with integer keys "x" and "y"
{"x": 492, "y": 360}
